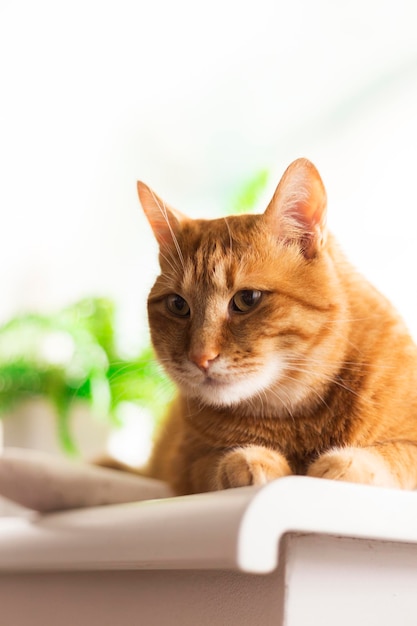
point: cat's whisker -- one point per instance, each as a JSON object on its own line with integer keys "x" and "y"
{"x": 324, "y": 377}
{"x": 329, "y": 380}
{"x": 171, "y": 261}
{"x": 163, "y": 209}
{"x": 126, "y": 370}
{"x": 285, "y": 403}
{"x": 351, "y": 320}
{"x": 352, "y": 366}
{"x": 342, "y": 335}
{"x": 311, "y": 389}
{"x": 196, "y": 411}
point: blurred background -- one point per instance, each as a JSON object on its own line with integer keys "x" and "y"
{"x": 207, "y": 102}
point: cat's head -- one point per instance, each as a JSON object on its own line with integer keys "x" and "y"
{"x": 242, "y": 303}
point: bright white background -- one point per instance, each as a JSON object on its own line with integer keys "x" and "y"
{"x": 194, "y": 98}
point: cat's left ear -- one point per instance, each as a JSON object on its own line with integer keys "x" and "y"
{"x": 297, "y": 211}
{"x": 164, "y": 220}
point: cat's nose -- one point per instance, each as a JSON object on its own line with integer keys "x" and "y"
{"x": 203, "y": 360}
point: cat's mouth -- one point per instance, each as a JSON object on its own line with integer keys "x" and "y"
{"x": 218, "y": 392}
{"x": 209, "y": 381}
{"x": 214, "y": 390}
{"x": 229, "y": 389}
{"x": 211, "y": 384}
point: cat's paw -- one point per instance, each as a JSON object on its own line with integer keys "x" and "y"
{"x": 354, "y": 465}
{"x": 250, "y": 465}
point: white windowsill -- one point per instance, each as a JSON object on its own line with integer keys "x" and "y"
{"x": 236, "y": 529}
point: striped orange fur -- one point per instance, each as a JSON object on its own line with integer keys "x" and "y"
{"x": 287, "y": 361}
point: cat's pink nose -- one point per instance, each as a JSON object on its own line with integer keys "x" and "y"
{"x": 203, "y": 360}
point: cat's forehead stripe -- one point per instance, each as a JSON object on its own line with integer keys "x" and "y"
{"x": 207, "y": 271}
{"x": 210, "y": 260}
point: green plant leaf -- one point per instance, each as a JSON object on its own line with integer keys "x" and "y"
{"x": 249, "y": 193}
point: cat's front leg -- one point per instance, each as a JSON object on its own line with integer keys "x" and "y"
{"x": 250, "y": 465}
{"x": 388, "y": 464}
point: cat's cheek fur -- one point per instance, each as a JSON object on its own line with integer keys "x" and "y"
{"x": 355, "y": 465}
{"x": 250, "y": 465}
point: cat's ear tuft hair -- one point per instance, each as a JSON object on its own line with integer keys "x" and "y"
{"x": 297, "y": 211}
{"x": 164, "y": 220}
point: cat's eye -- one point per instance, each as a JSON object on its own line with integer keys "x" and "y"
{"x": 177, "y": 305}
{"x": 245, "y": 300}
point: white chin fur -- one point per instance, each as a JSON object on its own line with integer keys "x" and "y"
{"x": 229, "y": 393}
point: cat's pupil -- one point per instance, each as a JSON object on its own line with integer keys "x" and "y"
{"x": 244, "y": 300}
{"x": 177, "y": 305}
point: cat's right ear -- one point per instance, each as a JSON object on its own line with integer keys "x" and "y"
{"x": 164, "y": 220}
{"x": 297, "y": 211}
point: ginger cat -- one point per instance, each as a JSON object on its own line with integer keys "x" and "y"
{"x": 286, "y": 360}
